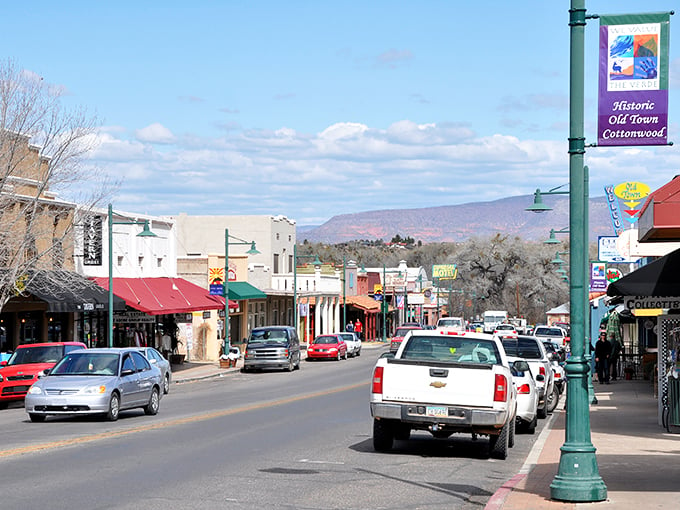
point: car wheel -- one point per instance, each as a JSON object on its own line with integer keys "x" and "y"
{"x": 297, "y": 364}
{"x": 291, "y": 365}
{"x": 542, "y": 412}
{"x": 402, "y": 432}
{"x": 166, "y": 384}
{"x": 553, "y": 400}
{"x": 511, "y": 434}
{"x": 358, "y": 352}
{"x": 339, "y": 357}
{"x": 114, "y": 408}
{"x": 498, "y": 445}
{"x": 383, "y": 435}
{"x": 531, "y": 426}
{"x": 345, "y": 354}
{"x": 154, "y": 403}
{"x": 37, "y": 418}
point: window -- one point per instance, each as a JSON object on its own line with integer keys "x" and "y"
{"x": 276, "y": 263}
{"x": 277, "y": 236}
{"x": 128, "y": 364}
{"x": 159, "y": 262}
{"x": 290, "y": 263}
{"x": 119, "y": 260}
{"x": 140, "y": 361}
{"x": 140, "y": 261}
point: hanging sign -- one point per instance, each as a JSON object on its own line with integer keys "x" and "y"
{"x": 633, "y": 79}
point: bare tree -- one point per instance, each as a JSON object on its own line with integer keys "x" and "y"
{"x": 42, "y": 151}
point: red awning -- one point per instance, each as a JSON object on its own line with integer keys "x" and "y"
{"x": 159, "y": 296}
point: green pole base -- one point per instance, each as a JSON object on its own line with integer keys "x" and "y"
{"x": 579, "y": 479}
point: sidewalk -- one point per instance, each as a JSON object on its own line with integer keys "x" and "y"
{"x": 198, "y": 370}
{"x": 637, "y": 459}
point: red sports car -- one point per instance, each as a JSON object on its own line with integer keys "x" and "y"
{"x": 21, "y": 370}
{"x": 327, "y": 347}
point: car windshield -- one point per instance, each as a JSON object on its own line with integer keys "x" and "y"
{"x": 450, "y": 322}
{"x": 402, "y": 331}
{"x": 347, "y": 337}
{"x": 259, "y": 336}
{"x": 557, "y": 332}
{"x": 87, "y": 363}
{"x": 37, "y": 354}
{"x": 330, "y": 339}
{"x": 451, "y": 349}
{"x": 505, "y": 326}
{"x": 522, "y": 348}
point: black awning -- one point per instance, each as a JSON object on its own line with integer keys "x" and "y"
{"x": 658, "y": 278}
{"x": 65, "y": 291}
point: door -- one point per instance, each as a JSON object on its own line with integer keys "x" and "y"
{"x": 129, "y": 383}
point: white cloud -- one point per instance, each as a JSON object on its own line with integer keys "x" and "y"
{"x": 155, "y": 133}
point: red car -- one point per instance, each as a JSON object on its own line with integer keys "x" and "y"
{"x": 399, "y": 335}
{"x": 327, "y": 347}
{"x": 21, "y": 370}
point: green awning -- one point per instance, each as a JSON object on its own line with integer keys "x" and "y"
{"x": 243, "y": 290}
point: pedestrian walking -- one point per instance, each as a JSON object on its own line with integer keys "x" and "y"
{"x": 603, "y": 351}
{"x": 350, "y": 327}
{"x": 614, "y": 358}
{"x": 358, "y": 328}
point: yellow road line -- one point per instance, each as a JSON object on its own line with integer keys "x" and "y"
{"x": 179, "y": 421}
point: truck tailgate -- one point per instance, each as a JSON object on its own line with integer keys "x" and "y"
{"x": 441, "y": 383}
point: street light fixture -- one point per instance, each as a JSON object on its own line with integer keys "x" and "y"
{"x": 538, "y": 206}
{"x": 226, "y": 343}
{"x": 552, "y": 239}
{"x": 557, "y": 259}
{"x": 384, "y": 301}
{"x": 146, "y": 232}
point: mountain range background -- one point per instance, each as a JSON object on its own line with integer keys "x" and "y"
{"x": 457, "y": 223}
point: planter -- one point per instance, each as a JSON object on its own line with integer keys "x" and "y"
{"x": 227, "y": 363}
{"x": 177, "y": 359}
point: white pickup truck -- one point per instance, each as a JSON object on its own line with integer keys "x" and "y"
{"x": 444, "y": 383}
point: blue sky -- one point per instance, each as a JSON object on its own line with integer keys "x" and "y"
{"x": 314, "y": 109}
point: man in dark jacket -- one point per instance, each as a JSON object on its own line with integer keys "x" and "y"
{"x": 603, "y": 351}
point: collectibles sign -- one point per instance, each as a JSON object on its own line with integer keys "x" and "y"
{"x": 647, "y": 302}
{"x": 633, "y": 79}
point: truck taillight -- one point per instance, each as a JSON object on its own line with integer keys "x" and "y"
{"x": 524, "y": 389}
{"x": 500, "y": 393}
{"x": 377, "y": 385}
{"x": 541, "y": 371}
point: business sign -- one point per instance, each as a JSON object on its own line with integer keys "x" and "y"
{"x": 631, "y": 194}
{"x": 92, "y": 241}
{"x": 647, "y": 302}
{"x": 633, "y": 79}
{"x": 614, "y": 212}
{"x": 445, "y": 271}
{"x": 613, "y": 274}
{"x": 216, "y": 281}
{"x": 608, "y": 250}
{"x": 598, "y": 276}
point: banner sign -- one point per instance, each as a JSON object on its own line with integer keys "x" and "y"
{"x": 92, "y": 241}
{"x": 598, "y": 276}
{"x": 614, "y": 212}
{"x": 633, "y": 79}
{"x": 608, "y": 250}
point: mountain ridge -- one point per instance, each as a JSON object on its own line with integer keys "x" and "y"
{"x": 457, "y": 223}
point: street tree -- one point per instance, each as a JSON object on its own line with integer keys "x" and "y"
{"x": 46, "y": 189}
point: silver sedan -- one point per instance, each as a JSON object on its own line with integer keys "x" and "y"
{"x": 156, "y": 358}
{"x": 96, "y": 381}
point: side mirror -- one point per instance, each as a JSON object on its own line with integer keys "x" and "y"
{"x": 540, "y": 378}
{"x": 127, "y": 372}
{"x": 521, "y": 366}
{"x": 153, "y": 361}
{"x": 389, "y": 355}
{"x": 43, "y": 373}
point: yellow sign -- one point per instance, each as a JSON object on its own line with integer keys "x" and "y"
{"x": 445, "y": 271}
{"x": 631, "y": 191}
{"x": 377, "y": 288}
{"x": 216, "y": 276}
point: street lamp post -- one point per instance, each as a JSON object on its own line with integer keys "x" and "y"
{"x": 146, "y": 232}
{"x": 226, "y": 343}
{"x": 384, "y": 301}
{"x": 578, "y": 478}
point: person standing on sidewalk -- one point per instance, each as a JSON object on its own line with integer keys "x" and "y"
{"x": 603, "y": 350}
{"x": 357, "y": 329}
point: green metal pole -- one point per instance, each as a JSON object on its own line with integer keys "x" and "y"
{"x": 344, "y": 287}
{"x": 110, "y": 336}
{"x": 578, "y": 478}
{"x": 587, "y": 340}
{"x": 227, "y": 340}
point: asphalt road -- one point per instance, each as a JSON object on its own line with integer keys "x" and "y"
{"x": 299, "y": 440}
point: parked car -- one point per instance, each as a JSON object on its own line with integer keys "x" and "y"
{"x": 505, "y": 331}
{"x": 272, "y": 347}
{"x": 527, "y": 396}
{"x": 557, "y": 356}
{"x": 553, "y": 333}
{"x": 96, "y": 381}
{"x": 353, "y": 343}
{"x": 327, "y": 347}
{"x": 532, "y": 350}
{"x": 399, "y": 335}
{"x": 21, "y": 370}
{"x": 156, "y": 358}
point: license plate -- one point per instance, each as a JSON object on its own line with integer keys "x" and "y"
{"x": 437, "y": 411}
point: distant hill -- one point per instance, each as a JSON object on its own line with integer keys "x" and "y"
{"x": 455, "y": 223}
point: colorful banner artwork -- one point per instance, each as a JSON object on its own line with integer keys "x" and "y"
{"x": 633, "y": 79}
